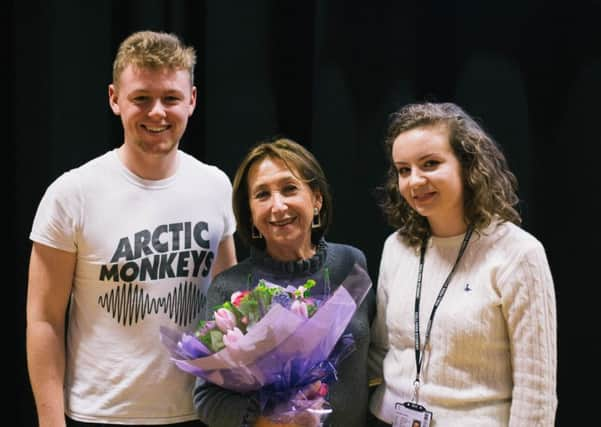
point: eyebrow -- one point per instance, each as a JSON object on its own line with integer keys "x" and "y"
{"x": 425, "y": 156}
{"x": 280, "y": 181}
{"x": 145, "y": 90}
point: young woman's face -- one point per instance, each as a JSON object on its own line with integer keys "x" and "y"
{"x": 282, "y": 208}
{"x": 430, "y": 177}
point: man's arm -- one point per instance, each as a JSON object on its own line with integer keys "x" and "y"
{"x": 226, "y": 257}
{"x": 49, "y": 287}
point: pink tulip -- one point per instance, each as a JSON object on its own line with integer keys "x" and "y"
{"x": 300, "y": 308}
{"x": 225, "y": 319}
{"x": 231, "y": 338}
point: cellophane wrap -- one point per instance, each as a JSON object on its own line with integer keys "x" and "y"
{"x": 282, "y": 354}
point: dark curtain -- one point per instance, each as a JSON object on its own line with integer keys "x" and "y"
{"x": 327, "y": 74}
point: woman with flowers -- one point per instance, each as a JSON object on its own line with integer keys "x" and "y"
{"x": 283, "y": 208}
{"x": 466, "y": 323}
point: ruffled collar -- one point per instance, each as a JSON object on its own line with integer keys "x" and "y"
{"x": 303, "y": 266}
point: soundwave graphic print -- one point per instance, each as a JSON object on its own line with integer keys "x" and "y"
{"x": 129, "y": 303}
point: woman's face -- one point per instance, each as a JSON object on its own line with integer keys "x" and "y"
{"x": 430, "y": 177}
{"x": 282, "y": 209}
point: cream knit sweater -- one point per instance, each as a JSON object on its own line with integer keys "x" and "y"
{"x": 492, "y": 356}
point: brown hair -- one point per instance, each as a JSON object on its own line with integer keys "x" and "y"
{"x": 154, "y": 50}
{"x": 301, "y": 163}
{"x": 490, "y": 188}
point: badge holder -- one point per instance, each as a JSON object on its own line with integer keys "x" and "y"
{"x": 411, "y": 414}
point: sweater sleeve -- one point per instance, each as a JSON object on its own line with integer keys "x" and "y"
{"x": 379, "y": 333}
{"x": 370, "y": 299}
{"x": 528, "y": 299}
{"x": 219, "y": 407}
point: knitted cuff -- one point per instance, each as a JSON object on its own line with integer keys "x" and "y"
{"x": 252, "y": 410}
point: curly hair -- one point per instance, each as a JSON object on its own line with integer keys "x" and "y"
{"x": 490, "y": 188}
{"x": 153, "y": 50}
{"x": 301, "y": 163}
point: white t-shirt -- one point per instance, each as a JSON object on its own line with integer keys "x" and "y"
{"x": 144, "y": 253}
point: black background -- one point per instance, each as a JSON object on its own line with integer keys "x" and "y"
{"x": 327, "y": 74}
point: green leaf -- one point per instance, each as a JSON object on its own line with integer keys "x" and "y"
{"x": 216, "y": 340}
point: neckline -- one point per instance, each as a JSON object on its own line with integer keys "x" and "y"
{"x": 302, "y": 266}
{"x": 149, "y": 184}
{"x": 448, "y": 240}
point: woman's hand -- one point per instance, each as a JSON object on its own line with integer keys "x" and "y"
{"x": 302, "y": 419}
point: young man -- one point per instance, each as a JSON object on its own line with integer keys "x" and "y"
{"x": 131, "y": 240}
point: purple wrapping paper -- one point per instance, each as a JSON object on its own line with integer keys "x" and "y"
{"x": 279, "y": 349}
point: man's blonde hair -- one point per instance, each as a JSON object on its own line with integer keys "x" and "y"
{"x": 154, "y": 50}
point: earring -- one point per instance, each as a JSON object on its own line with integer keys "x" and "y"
{"x": 316, "y": 223}
{"x": 255, "y": 233}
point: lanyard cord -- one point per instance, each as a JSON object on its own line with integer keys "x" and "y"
{"x": 419, "y": 355}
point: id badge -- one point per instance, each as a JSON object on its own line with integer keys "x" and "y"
{"x": 411, "y": 414}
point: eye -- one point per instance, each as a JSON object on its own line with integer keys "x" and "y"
{"x": 431, "y": 164}
{"x": 403, "y": 171}
{"x": 141, "y": 99}
{"x": 172, "y": 99}
{"x": 261, "y": 195}
{"x": 289, "y": 188}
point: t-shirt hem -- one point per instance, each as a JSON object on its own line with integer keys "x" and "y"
{"x": 131, "y": 420}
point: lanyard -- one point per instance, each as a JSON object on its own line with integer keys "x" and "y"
{"x": 419, "y": 355}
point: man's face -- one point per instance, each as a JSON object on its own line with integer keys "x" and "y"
{"x": 154, "y": 105}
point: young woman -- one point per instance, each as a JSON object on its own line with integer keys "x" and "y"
{"x": 466, "y": 323}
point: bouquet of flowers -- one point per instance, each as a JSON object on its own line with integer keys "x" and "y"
{"x": 235, "y": 318}
{"x": 279, "y": 341}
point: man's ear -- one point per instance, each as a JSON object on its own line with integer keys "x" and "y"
{"x": 113, "y": 99}
{"x": 192, "y": 100}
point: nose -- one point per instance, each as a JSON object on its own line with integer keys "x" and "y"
{"x": 416, "y": 179}
{"x": 157, "y": 110}
{"x": 278, "y": 202}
